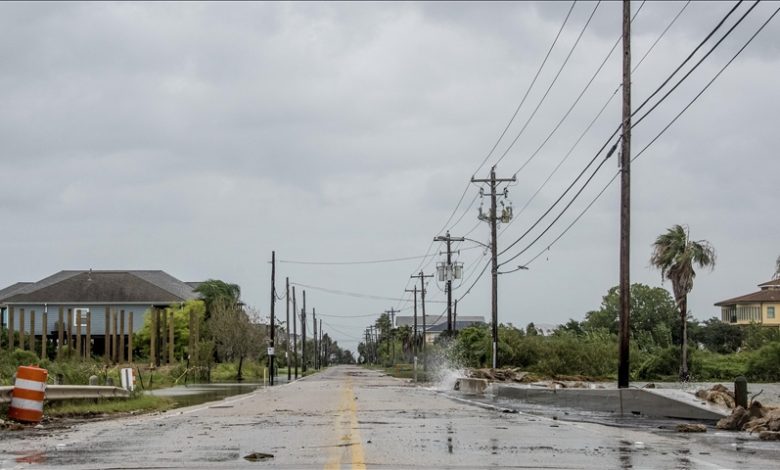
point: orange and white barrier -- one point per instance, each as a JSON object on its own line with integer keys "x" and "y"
{"x": 28, "y": 394}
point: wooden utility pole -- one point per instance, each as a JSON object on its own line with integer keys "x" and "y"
{"x": 314, "y": 320}
{"x": 493, "y": 219}
{"x": 287, "y": 327}
{"x": 625, "y": 203}
{"x": 303, "y": 339}
{"x": 320, "y": 349}
{"x": 455, "y": 316}
{"x": 271, "y": 350}
{"x": 449, "y": 273}
{"x": 422, "y": 277}
{"x": 32, "y": 330}
{"x": 414, "y": 333}
{"x": 295, "y": 334}
{"x": 153, "y": 339}
{"x": 392, "y": 313}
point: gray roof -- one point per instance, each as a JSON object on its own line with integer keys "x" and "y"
{"x": 144, "y": 287}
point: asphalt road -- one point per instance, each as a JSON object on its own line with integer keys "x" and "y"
{"x": 349, "y": 417}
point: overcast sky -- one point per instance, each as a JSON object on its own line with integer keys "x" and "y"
{"x": 196, "y": 138}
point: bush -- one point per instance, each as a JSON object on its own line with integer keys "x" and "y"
{"x": 764, "y": 364}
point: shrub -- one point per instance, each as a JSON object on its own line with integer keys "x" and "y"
{"x": 764, "y": 364}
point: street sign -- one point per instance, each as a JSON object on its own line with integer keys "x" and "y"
{"x": 271, "y": 351}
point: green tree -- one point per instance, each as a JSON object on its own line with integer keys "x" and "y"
{"x": 214, "y": 290}
{"x": 653, "y": 315}
{"x": 181, "y": 327}
{"x": 719, "y": 337}
{"x": 675, "y": 254}
{"x": 235, "y": 336}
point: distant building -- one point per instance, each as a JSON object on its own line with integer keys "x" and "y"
{"x": 762, "y": 307}
{"x": 436, "y": 324}
{"x": 93, "y": 303}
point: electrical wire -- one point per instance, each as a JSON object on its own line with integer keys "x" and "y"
{"x": 331, "y": 263}
{"x": 345, "y": 293}
{"x": 690, "y": 103}
{"x": 666, "y": 95}
{"x": 563, "y": 211}
{"x": 634, "y": 124}
{"x": 706, "y": 86}
{"x": 555, "y": 79}
{"x": 593, "y": 121}
{"x": 577, "y": 100}
{"x": 528, "y": 90}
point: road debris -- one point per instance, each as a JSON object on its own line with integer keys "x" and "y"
{"x": 258, "y": 457}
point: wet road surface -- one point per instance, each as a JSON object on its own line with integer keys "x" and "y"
{"x": 349, "y": 417}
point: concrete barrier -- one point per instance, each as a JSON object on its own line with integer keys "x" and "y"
{"x": 72, "y": 392}
{"x": 656, "y": 403}
{"x": 471, "y": 386}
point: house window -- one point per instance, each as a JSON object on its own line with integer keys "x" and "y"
{"x": 770, "y": 313}
{"x": 84, "y": 312}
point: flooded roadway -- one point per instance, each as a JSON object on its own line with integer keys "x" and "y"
{"x": 349, "y": 417}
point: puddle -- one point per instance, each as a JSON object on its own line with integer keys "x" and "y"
{"x": 196, "y": 394}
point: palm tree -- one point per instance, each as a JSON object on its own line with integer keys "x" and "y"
{"x": 675, "y": 254}
{"x": 215, "y": 290}
{"x": 777, "y": 268}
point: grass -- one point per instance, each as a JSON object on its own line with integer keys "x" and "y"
{"x": 139, "y": 403}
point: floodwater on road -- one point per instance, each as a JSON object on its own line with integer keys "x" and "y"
{"x": 349, "y": 417}
{"x": 198, "y": 393}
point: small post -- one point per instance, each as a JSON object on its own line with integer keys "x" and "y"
{"x": 741, "y": 392}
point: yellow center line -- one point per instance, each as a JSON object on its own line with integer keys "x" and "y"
{"x": 349, "y": 439}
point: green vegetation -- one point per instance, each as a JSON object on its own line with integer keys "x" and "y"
{"x": 717, "y": 351}
{"x": 674, "y": 253}
{"x": 138, "y": 403}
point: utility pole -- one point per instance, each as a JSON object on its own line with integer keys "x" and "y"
{"x": 287, "y": 327}
{"x": 314, "y": 337}
{"x": 392, "y": 313}
{"x": 422, "y": 277}
{"x": 320, "y": 351}
{"x": 455, "y": 316}
{"x": 303, "y": 330}
{"x": 449, "y": 274}
{"x": 414, "y": 332}
{"x": 493, "y": 220}
{"x": 271, "y": 351}
{"x": 625, "y": 202}
{"x": 295, "y": 334}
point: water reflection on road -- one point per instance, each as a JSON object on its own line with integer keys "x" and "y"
{"x": 195, "y": 394}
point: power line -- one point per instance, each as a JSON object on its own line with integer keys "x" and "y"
{"x": 707, "y": 86}
{"x": 565, "y": 208}
{"x": 555, "y": 79}
{"x": 346, "y": 293}
{"x": 635, "y": 123}
{"x": 577, "y": 100}
{"x": 593, "y": 121}
{"x": 663, "y": 98}
{"x": 330, "y": 263}
{"x": 528, "y": 90}
{"x": 582, "y": 213}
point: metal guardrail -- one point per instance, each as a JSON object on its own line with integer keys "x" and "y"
{"x": 72, "y": 392}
